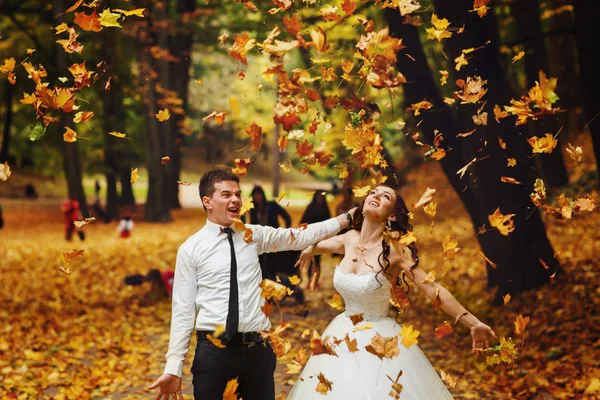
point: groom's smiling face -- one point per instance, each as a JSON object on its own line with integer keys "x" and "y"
{"x": 225, "y": 203}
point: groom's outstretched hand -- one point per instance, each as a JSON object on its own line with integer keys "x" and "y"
{"x": 479, "y": 333}
{"x": 168, "y": 385}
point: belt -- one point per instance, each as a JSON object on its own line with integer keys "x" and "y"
{"x": 246, "y": 338}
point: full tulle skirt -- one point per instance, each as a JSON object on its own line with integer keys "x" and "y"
{"x": 362, "y": 375}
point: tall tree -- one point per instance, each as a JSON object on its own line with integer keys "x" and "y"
{"x": 527, "y": 15}
{"x": 563, "y": 63}
{"x": 8, "y": 114}
{"x": 180, "y": 46}
{"x": 71, "y": 161}
{"x": 586, "y": 16}
{"x": 517, "y": 255}
{"x": 155, "y": 80}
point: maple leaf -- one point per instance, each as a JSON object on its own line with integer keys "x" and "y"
{"x": 320, "y": 345}
{"x": 472, "y": 89}
{"x": 511, "y": 162}
{"x": 329, "y": 13}
{"x": 304, "y": 149}
{"x": 443, "y": 330}
{"x": 4, "y": 171}
{"x": 134, "y": 175}
{"x": 383, "y": 347}
{"x": 231, "y": 389}
{"x": 241, "y": 45}
{"x": 449, "y": 379}
{"x": 324, "y": 385}
{"x": 294, "y": 280}
{"x": 61, "y": 28}
{"x": 480, "y": 7}
{"x": 272, "y": 289}
{"x": 409, "y": 336}
{"x": 430, "y": 209}
{"x": 585, "y": 203}
{"x": 241, "y": 166}
{"x": 439, "y": 30}
{"x": 336, "y": 302}
{"x": 396, "y": 386}
{"x": 351, "y": 343}
{"x": 83, "y": 116}
{"x": 70, "y": 136}
{"x": 163, "y": 115}
{"x": 408, "y": 6}
{"x": 450, "y": 247}
{"x": 520, "y": 324}
{"x": 71, "y": 45}
{"x": 88, "y": 22}
{"x": 499, "y": 114}
{"x": 293, "y": 24}
{"x": 503, "y": 223}
{"x": 543, "y": 145}
{"x": 417, "y": 107}
{"x": 293, "y": 368}
{"x": 109, "y": 19}
{"x": 539, "y": 193}
{"x": 7, "y": 68}
{"x": 117, "y": 134}
{"x": 349, "y": 7}
{"x": 357, "y": 318}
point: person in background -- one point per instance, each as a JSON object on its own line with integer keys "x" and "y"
{"x": 125, "y": 226}
{"x": 281, "y": 264}
{"x": 316, "y": 211}
{"x": 72, "y": 213}
{"x": 162, "y": 283}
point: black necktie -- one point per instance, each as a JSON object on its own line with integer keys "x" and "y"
{"x": 233, "y": 314}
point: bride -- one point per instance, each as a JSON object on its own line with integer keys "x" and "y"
{"x": 361, "y": 360}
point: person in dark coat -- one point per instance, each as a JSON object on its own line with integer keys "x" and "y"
{"x": 316, "y": 211}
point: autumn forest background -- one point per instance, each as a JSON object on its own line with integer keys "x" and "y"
{"x": 484, "y": 112}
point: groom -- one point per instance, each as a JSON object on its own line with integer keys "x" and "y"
{"x": 217, "y": 277}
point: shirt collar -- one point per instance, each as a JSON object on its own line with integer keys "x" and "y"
{"x": 213, "y": 229}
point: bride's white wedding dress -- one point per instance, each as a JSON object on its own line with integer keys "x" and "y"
{"x": 362, "y": 375}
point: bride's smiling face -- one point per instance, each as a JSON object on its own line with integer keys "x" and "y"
{"x": 380, "y": 203}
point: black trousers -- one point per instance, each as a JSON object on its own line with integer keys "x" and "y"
{"x": 254, "y": 367}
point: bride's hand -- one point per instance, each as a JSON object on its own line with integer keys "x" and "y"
{"x": 305, "y": 258}
{"x": 480, "y": 333}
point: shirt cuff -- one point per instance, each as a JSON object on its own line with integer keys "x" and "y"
{"x": 174, "y": 367}
{"x": 333, "y": 225}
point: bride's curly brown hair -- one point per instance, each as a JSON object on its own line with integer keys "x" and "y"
{"x": 401, "y": 225}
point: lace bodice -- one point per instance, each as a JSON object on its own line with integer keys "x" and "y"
{"x": 366, "y": 293}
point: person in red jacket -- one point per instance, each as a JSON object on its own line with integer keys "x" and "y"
{"x": 70, "y": 209}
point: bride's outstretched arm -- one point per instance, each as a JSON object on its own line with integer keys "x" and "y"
{"x": 449, "y": 304}
{"x": 334, "y": 244}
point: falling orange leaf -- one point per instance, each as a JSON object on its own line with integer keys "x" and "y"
{"x": 443, "y": 330}
{"x": 231, "y": 389}
{"x": 383, "y": 347}
{"x": 70, "y": 136}
{"x": 520, "y": 324}
{"x": 163, "y": 115}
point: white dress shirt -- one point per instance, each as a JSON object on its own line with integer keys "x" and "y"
{"x": 202, "y": 276}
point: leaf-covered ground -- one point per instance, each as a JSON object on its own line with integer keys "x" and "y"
{"x": 86, "y": 335}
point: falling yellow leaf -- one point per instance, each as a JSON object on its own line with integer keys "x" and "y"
{"x": 511, "y": 162}
{"x": 543, "y": 145}
{"x": 503, "y": 223}
{"x": 409, "y": 336}
{"x": 61, "y": 28}
{"x": 86, "y": 221}
{"x": 361, "y": 191}
{"x": 247, "y": 205}
{"x": 430, "y": 209}
{"x": 324, "y": 385}
{"x": 294, "y": 280}
{"x": 109, "y": 19}
{"x": 336, "y": 302}
{"x": 138, "y": 12}
{"x": 117, "y": 134}
{"x": 163, "y": 115}
{"x": 184, "y": 183}
{"x": 134, "y": 175}
{"x": 576, "y": 153}
{"x": 450, "y": 247}
{"x": 282, "y": 195}
{"x": 506, "y": 298}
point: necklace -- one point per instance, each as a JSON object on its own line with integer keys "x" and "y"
{"x": 363, "y": 249}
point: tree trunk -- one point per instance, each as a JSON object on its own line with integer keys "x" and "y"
{"x": 181, "y": 48}
{"x": 8, "y": 97}
{"x": 527, "y": 15}
{"x": 516, "y": 255}
{"x": 71, "y": 162}
{"x": 586, "y": 16}
{"x": 157, "y": 206}
{"x": 563, "y": 65}
{"x": 127, "y": 196}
